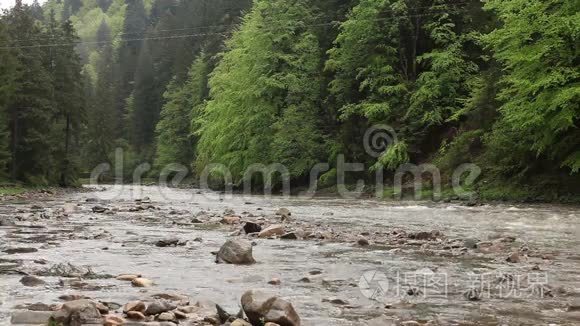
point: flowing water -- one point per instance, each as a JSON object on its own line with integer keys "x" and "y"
{"x": 123, "y": 242}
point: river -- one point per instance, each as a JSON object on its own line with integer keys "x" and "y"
{"x": 328, "y": 282}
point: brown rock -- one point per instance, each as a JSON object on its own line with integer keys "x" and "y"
{"x": 136, "y": 315}
{"x": 141, "y": 282}
{"x": 135, "y": 306}
{"x": 240, "y": 322}
{"x": 261, "y": 307}
{"x": 127, "y": 277}
{"x": 166, "y": 316}
{"x": 230, "y": 219}
{"x": 363, "y": 242}
{"x": 112, "y": 320}
{"x": 271, "y": 231}
{"x": 514, "y": 258}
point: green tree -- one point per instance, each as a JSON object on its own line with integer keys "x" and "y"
{"x": 102, "y": 115}
{"x": 30, "y": 110}
{"x": 402, "y": 63}
{"x": 7, "y": 74}
{"x": 537, "y": 43}
{"x": 264, "y": 84}
{"x": 175, "y": 141}
{"x": 68, "y": 101}
{"x": 145, "y": 109}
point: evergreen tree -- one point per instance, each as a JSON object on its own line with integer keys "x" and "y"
{"x": 402, "y": 63}
{"x": 145, "y": 113}
{"x": 134, "y": 28}
{"x": 30, "y": 110}
{"x": 102, "y": 116}
{"x": 264, "y": 84}
{"x": 7, "y": 75}
{"x": 183, "y": 103}
{"x": 68, "y": 101}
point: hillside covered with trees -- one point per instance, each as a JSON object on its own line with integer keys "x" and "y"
{"x": 296, "y": 82}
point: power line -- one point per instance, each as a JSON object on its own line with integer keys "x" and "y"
{"x": 116, "y": 37}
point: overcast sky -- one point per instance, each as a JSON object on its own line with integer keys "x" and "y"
{"x": 9, "y": 3}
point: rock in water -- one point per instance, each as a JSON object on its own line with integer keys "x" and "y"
{"x": 272, "y": 231}
{"x": 170, "y": 242}
{"x": 30, "y": 317}
{"x": 251, "y": 227}
{"x": 127, "y": 277}
{"x": 261, "y": 307}
{"x": 514, "y": 258}
{"x": 99, "y": 209}
{"x": 135, "y": 306}
{"x": 284, "y": 212}
{"x": 236, "y": 251}
{"x": 158, "y": 307}
{"x": 31, "y": 281}
{"x": 230, "y": 219}
{"x": 80, "y": 311}
{"x": 142, "y": 282}
{"x": 289, "y": 236}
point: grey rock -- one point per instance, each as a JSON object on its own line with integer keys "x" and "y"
{"x": 159, "y": 306}
{"x": 31, "y": 281}
{"x": 236, "y": 251}
{"x": 262, "y": 307}
{"x": 31, "y": 317}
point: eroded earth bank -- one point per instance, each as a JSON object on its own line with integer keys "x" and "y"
{"x": 137, "y": 255}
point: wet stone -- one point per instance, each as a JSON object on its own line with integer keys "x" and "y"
{"x": 158, "y": 307}
{"x": 289, "y": 236}
{"x": 12, "y": 251}
{"x": 31, "y": 281}
{"x": 262, "y": 307}
{"x": 31, "y": 317}
{"x": 252, "y": 227}
{"x": 236, "y": 251}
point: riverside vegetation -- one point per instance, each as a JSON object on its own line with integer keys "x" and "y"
{"x": 296, "y": 82}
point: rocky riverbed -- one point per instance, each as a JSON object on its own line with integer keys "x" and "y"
{"x": 138, "y": 255}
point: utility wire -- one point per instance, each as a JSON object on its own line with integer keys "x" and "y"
{"x": 116, "y": 37}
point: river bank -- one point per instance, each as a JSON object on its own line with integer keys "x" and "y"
{"x": 336, "y": 261}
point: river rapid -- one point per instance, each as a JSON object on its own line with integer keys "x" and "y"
{"x": 331, "y": 277}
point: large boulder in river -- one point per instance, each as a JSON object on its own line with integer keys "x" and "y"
{"x": 261, "y": 307}
{"x": 79, "y": 312}
{"x": 236, "y": 251}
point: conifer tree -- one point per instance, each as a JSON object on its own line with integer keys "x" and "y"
{"x": 7, "y": 75}
{"x": 183, "y": 103}
{"x": 264, "y": 84}
{"x": 30, "y": 110}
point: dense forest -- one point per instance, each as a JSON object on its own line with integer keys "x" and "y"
{"x": 296, "y": 82}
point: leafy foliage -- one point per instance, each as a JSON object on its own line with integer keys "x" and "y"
{"x": 538, "y": 46}
{"x": 264, "y": 93}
